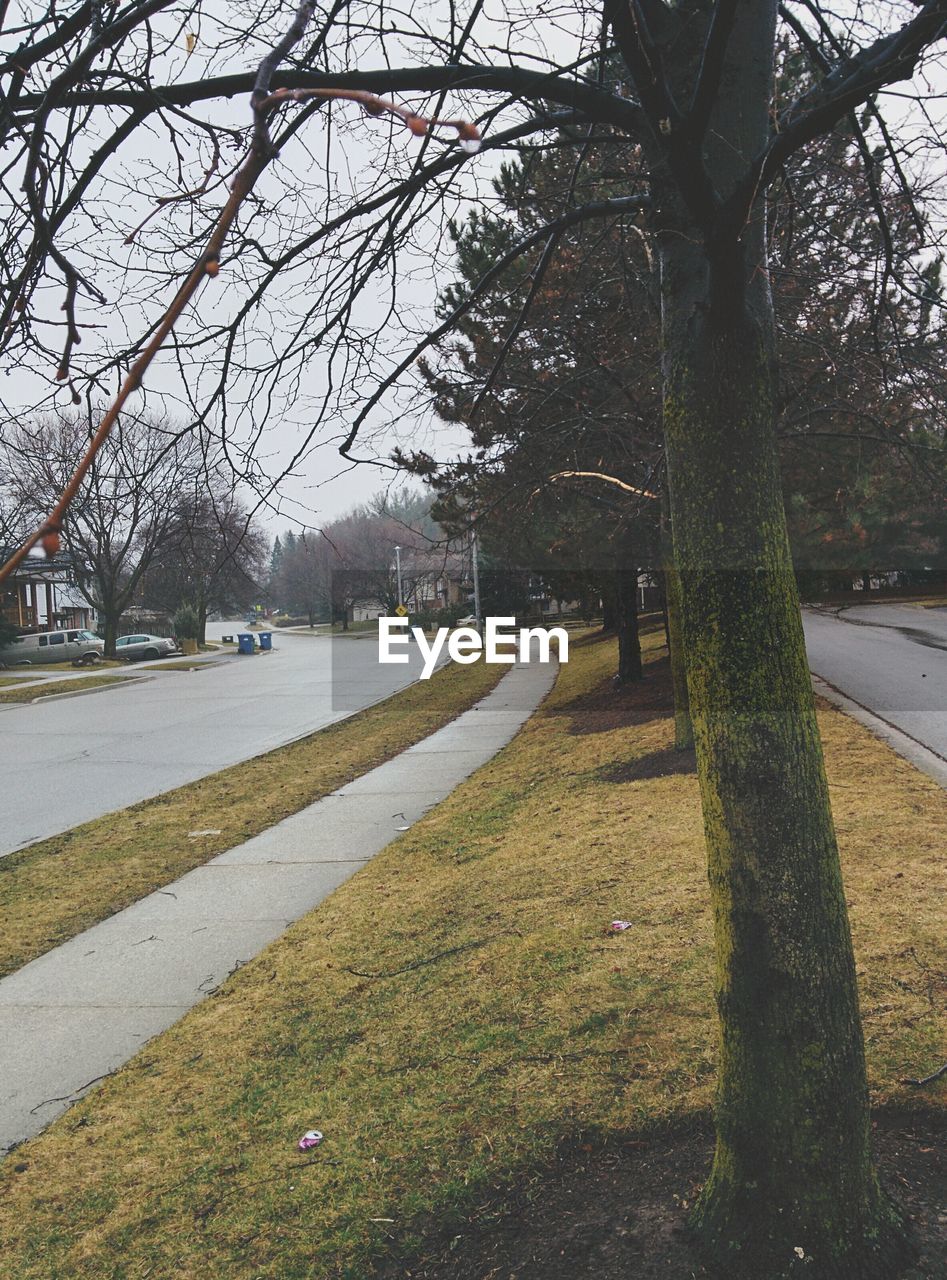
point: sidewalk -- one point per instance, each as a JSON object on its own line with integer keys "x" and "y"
{"x": 79, "y": 1012}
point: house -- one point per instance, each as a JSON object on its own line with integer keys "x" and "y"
{"x": 43, "y": 595}
{"x": 72, "y": 609}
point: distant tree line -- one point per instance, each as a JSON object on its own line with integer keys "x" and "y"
{"x": 323, "y": 575}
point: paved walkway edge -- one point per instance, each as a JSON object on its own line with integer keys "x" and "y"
{"x": 923, "y": 758}
{"x": 76, "y": 1014}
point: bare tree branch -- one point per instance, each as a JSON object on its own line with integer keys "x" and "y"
{"x": 598, "y": 209}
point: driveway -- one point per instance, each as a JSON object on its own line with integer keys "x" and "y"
{"x": 71, "y": 760}
{"x": 890, "y": 658}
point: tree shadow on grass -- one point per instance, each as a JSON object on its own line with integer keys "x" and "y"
{"x": 657, "y": 764}
{"x": 608, "y": 1207}
{"x": 608, "y": 707}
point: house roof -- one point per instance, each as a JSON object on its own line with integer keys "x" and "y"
{"x": 37, "y": 566}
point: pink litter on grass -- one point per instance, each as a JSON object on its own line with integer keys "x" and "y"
{"x": 619, "y": 926}
{"x": 309, "y": 1140}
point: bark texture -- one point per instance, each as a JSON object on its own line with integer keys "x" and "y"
{"x": 683, "y": 729}
{"x": 792, "y": 1168}
{"x": 110, "y": 622}
{"x": 629, "y": 641}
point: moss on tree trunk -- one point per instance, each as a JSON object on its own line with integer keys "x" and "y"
{"x": 683, "y": 729}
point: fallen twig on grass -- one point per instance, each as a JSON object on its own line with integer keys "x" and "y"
{"x": 577, "y": 1056}
{"x": 418, "y": 964}
{"x": 498, "y": 1068}
{"x": 935, "y": 1075}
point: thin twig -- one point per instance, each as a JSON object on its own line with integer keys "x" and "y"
{"x": 419, "y": 964}
{"x": 935, "y": 1075}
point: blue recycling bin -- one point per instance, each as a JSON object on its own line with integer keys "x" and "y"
{"x": 244, "y": 642}
{"x": 266, "y": 639}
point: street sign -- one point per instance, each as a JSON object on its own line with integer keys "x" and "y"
{"x": 401, "y": 611}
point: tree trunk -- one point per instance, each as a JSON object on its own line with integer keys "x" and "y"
{"x": 110, "y": 620}
{"x": 866, "y": 581}
{"x": 629, "y": 641}
{"x": 609, "y": 609}
{"x": 792, "y": 1167}
{"x": 665, "y": 621}
{"x": 683, "y": 729}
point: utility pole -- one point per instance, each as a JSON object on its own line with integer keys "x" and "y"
{"x": 398, "y": 567}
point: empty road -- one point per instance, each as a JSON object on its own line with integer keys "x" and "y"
{"x": 890, "y": 658}
{"x": 70, "y": 760}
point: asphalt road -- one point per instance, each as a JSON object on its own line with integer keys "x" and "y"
{"x": 73, "y": 759}
{"x": 890, "y": 658}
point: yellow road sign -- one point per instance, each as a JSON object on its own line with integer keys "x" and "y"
{"x": 401, "y": 611}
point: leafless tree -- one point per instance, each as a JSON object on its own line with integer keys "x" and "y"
{"x": 124, "y": 514}
{"x": 363, "y": 565}
{"x": 212, "y": 554}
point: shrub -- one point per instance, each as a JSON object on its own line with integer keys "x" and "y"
{"x": 186, "y": 623}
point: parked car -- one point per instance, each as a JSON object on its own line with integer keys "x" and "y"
{"x": 132, "y": 648}
{"x": 78, "y": 647}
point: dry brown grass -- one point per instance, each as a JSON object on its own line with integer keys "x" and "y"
{"x": 177, "y": 664}
{"x": 436, "y": 1081}
{"x": 50, "y": 687}
{"x": 891, "y": 821}
{"x": 27, "y": 671}
{"x": 54, "y": 889}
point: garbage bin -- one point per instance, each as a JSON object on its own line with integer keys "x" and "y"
{"x": 266, "y": 639}
{"x": 244, "y": 642}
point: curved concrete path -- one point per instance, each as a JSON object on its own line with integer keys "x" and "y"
{"x": 79, "y": 1012}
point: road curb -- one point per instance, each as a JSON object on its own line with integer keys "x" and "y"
{"x": 83, "y": 693}
{"x": 922, "y": 757}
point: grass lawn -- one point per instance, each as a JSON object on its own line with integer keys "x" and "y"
{"x": 54, "y": 889}
{"x": 366, "y": 624}
{"x": 58, "y": 668}
{"x": 57, "y": 686}
{"x": 458, "y": 1009}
